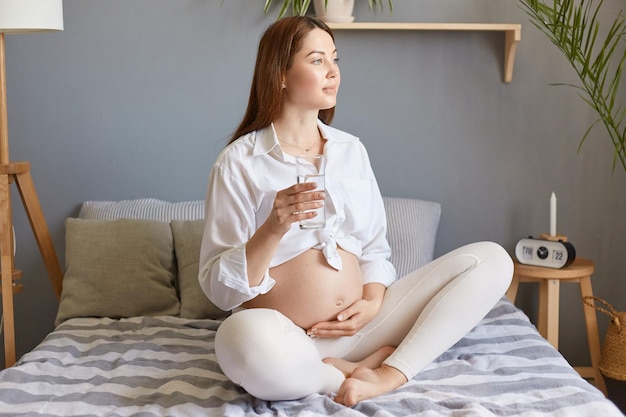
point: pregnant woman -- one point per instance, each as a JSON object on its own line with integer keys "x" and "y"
{"x": 322, "y": 311}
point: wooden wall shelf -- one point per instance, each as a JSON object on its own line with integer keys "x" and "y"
{"x": 512, "y": 34}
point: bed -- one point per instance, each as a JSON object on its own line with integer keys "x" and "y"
{"x": 134, "y": 335}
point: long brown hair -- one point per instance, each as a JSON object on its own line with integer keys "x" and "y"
{"x": 277, "y": 46}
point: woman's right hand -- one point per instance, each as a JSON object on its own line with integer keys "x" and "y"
{"x": 288, "y": 208}
{"x": 294, "y": 204}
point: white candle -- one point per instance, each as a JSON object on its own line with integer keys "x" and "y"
{"x": 553, "y": 214}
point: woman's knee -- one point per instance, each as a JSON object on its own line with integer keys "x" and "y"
{"x": 264, "y": 352}
{"x": 246, "y": 343}
{"x": 493, "y": 257}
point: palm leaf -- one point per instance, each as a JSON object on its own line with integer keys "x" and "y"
{"x": 574, "y": 28}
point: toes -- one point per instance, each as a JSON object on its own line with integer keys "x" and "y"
{"x": 347, "y": 394}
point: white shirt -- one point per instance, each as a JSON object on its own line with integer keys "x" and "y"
{"x": 242, "y": 187}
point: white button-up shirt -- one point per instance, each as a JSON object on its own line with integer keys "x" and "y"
{"x": 242, "y": 187}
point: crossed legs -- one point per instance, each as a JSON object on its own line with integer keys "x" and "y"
{"x": 423, "y": 314}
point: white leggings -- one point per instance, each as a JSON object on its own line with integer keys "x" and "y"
{"x": 423, "y": 314}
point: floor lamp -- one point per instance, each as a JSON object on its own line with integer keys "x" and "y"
{"x": 21, "y": 16}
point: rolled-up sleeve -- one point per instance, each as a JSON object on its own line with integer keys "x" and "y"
{"x": 376, "y": 252}
{"x": 229, "y": 220}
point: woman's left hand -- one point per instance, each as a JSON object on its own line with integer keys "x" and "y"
{"x": 353, "y": 318}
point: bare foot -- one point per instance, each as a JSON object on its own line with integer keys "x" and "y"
{"x": 367, "y": 383}
{"x": 373, "y": 361}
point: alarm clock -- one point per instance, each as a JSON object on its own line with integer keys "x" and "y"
{"x": 548, "y": 253}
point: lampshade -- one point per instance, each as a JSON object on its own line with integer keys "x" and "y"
{"x": 18, "y": 16}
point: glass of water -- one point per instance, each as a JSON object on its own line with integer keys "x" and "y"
{"x": 311, "y": 168}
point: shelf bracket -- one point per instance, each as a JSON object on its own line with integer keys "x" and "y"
{"x": 512, "y": 34}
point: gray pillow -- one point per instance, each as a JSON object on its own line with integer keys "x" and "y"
{"x": 412, "y": 226}
{"x": 142, "y": 208}
{"x": 193, "y": 302}
{"x": 120, "y": 268}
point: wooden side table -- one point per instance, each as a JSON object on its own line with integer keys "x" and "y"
{"x": 549, "y": 280}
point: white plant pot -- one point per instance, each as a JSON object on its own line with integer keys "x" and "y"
{"x": 338, "y": 11}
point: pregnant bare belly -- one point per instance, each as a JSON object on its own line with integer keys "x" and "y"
{"x": 309, "y": 291}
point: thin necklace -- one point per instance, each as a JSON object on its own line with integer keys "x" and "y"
{"x": 304, "y": 149}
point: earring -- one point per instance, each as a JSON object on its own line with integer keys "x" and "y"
{"x": 283, "y": 86}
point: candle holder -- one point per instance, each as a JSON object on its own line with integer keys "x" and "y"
{"x": 553, "y": 238}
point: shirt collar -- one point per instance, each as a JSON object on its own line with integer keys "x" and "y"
{"x": 267, "y": 141}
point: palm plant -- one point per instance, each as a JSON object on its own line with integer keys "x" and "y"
{"x": 299, "y": 7}
{"x": 574, "y": 27}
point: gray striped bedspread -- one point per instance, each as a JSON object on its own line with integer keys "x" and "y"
{"x": 165, "y": 366}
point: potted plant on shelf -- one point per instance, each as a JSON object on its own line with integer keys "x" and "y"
{"x": 597, "y": 56}
{"x": 333, "y": 11}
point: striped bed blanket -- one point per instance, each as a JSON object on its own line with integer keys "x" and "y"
{"x": 165, "y": 366}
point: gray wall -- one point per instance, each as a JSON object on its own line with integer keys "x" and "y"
{"x": 136, "y": 98}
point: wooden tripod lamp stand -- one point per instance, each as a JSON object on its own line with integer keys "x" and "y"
{"x": 21, "y": 16}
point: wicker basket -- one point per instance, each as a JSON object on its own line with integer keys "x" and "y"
{"x": 613, "y": 362}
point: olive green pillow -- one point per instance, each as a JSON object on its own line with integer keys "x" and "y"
{"x": 120, "y": 268}
{"x": 193, "y": 302}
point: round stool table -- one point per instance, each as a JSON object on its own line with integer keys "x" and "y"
{"x": 549, "y": 280}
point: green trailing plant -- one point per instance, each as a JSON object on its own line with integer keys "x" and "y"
{"x": 598, "y": 59}
{"x": 300, "y": 7}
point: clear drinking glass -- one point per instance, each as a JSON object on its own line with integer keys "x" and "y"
{"x": 311, "y": 168}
